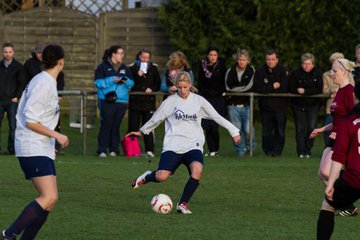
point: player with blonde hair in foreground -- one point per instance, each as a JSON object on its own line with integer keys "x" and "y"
{"x": 184, "y": 137}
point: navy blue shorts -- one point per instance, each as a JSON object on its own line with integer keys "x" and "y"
{"x": 37, "y": 166}
{"x": 170, "y": 160}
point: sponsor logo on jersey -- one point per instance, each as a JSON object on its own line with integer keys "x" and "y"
{"x": 180, "y": 115}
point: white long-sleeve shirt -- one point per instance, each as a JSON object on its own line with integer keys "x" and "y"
{"x": 39, "y": 104}
{"x": 183, "y": 131}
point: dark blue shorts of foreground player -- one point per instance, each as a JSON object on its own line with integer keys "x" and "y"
{"x": 344, "y": 194}
{"x": 37, "y": 166}
{"x": 170, "y": 160}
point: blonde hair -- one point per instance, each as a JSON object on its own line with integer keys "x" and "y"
{"x": 183, "y": 76}
{"x": 335, "y": 56}
{"x": 177, "y": 60}
{"x": 346, "y": 64}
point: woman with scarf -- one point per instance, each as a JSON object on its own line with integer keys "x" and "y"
{"x": 211, "y": 86}
{"x": 141, "y": 107}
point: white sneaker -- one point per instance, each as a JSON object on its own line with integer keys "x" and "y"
{"x": 113, "y": 154}
{"x": 183, "y": 208}
{"x": 140, "y": 180}
{"x": 3, "y": 237}
{"x": 211, "y": 154}
{"x": 150, "y": 154}
{"x": 102, "y": 155}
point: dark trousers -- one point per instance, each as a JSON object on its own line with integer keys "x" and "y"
{"x": 305, "y": 122}
{"x": 273, "y": 132}
{"x": 111, "y": 115}
{"x": 10, "y": 109}
{"x": 211, "y": 128}
{"x": 212, "y": 135}
{"x": 327, "y": 120}
{"x": 141, "y": 117}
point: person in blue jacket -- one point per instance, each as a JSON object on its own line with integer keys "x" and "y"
{"x": 113, "y": 80}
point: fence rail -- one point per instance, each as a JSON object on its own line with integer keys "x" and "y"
{"x": 85, "y": 93}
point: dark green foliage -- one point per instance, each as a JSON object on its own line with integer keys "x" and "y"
{"x": 290, "y": 27}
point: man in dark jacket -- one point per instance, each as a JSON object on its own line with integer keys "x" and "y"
{"x": 272, "y": 77}
{"x": 12, "y": 83}
{"x": 141, "y": 107}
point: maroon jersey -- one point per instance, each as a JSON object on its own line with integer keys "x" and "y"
{"x": 347, "y": 150}
{"x": 342, "y": 104}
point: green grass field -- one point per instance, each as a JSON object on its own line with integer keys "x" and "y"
{"x": 239, "y": 198}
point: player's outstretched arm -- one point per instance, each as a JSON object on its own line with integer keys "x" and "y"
{"x": 236, "y": 139}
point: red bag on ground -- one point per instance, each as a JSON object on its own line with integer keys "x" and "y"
{"x": 131, "y": 146}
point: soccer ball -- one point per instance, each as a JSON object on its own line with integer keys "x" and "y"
{"x": 161, "y": 203}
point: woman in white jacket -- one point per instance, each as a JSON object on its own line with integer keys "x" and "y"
{"x": 184, "y": 137}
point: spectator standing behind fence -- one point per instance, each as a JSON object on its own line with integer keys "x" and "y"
{"x": 240, "y": 79}
{"x": 33, "y": 66}
{"x": 177, "y": 62}
{"x": 211, "y": 86}
{"x": 306, "y": 81}
{"x": 272, "y": 77}
{"x": 113, "y": 80}
{"x": 141, "y": 107}
{"x": 356, "y": 71}
{"x": 12, "y": 83}
{"x": 330, "y": 88}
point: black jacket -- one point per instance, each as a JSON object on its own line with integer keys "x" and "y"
{"x": 214, "y": 86}
{"x": 263, "y": 83}
{"x": 244, "y": 85}
{"x": 32, "y": 67}
{"x": 12, "y": 80}
{"x": 356, "y": 74}
{"x": 150, "y": 80}
{"x": 311, "y": 82}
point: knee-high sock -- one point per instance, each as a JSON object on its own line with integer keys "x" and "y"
{"x": 189, "y": 190}
{"x": 151, "y": 177}
{"x": 30, "y": 214}
{"x": 325, "y": 225}
{"x": 31, "y": 231}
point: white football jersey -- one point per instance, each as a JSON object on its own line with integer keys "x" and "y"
{"x": 183, "y": 131}
{"x": 38, "y": 104}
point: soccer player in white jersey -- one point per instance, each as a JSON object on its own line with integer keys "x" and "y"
{"x": 184, "y": 137}
{"x": 37, "y": 116}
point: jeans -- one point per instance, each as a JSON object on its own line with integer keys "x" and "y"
{"x": 240, "y": 117}
{"x": 305, "y": 122}
{"x": 273, "y": 132}
{"x": 10, "y": 108}
{"x": 111, "y": 116}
